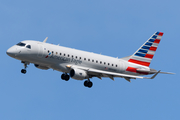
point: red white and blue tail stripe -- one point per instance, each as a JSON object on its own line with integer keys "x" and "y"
{"x": 145, "y": 53}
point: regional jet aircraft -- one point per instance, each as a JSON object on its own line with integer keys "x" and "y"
{"x": 82, "y": 65}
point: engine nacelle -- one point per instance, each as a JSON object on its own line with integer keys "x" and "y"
{"x": 41, "y": 67}
{"x": 78, "y": 74}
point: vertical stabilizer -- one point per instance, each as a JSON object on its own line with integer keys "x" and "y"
{"x": 145, "y": 53}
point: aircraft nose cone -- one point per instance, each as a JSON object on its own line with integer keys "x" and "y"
{"x": 11, "y": 52}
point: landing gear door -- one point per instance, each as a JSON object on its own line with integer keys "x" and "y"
{"x": 40, "y": 50}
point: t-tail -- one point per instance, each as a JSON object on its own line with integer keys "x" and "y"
{"x": 144, "y": 55}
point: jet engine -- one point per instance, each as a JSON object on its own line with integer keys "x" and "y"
{"x": 41, "y": 67}
{"x": 78, "y": 74}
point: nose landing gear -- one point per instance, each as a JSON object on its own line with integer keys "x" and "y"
{"x": 23, "y": 71}
{"x": 25, "y": 66}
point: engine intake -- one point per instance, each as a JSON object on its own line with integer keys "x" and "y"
{"x": 78, "y": 74}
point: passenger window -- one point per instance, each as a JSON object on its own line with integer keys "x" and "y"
{"x": 79, "y": 57}
{"x": 52, "y": 52}
{"x": 59, "y": 53}
{"x": 84, "y": 58}
{"x": 64, "y": 54}
{"x": 28, "y": 46}
{"x": 48, "y": 51}
{"x": 56, "y": 53}
{"x": 88, "y": 59}
{"x": 104, "y": 62}
{"x": 72, "y": 56}
{"x": 96, "y": 61}
{"x": 100, "y": 62}
{"x": 116, "y": 65}
{"x": 108, "y": 63}
{"x": 112, "y": 64}
{"x": 92, "y": 60}
{"x": 76, "y": 56}
{"x": 68, "y": 55}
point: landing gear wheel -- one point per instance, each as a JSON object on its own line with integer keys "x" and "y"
{"x": 25, "y": 66}
{"x": 23, "y": 71}
{"x": 62, "y": 76}
{"x": 88, "y": 83}
{"x": 65, "y": 77}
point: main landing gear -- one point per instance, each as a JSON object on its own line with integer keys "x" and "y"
{"x": 88, "y": 83}
{"x": 25, "y": 66}
{"x": 65, "y": 77}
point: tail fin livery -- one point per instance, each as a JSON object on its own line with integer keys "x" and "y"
{"x": 145, "y": 53}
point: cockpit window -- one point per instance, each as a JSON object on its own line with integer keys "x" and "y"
{"x": 28, "y": 46}
{"x": 21, "y": 44}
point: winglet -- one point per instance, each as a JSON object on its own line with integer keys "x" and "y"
{"x": 45, "y": 39}
{"x": 153, "y": 75}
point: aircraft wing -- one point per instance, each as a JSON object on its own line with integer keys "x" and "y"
{"x": 111, "y": 75}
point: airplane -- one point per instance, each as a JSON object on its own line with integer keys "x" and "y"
{"x": 82, "y": 65}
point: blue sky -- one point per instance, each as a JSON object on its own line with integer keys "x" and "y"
{"x": 111, "y": 27}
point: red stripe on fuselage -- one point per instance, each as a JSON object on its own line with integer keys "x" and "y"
{"x": 139, "y": 62}
{"x": 131, "y": 69}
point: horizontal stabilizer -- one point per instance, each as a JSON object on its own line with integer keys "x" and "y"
{"x": 167, "y": 73}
